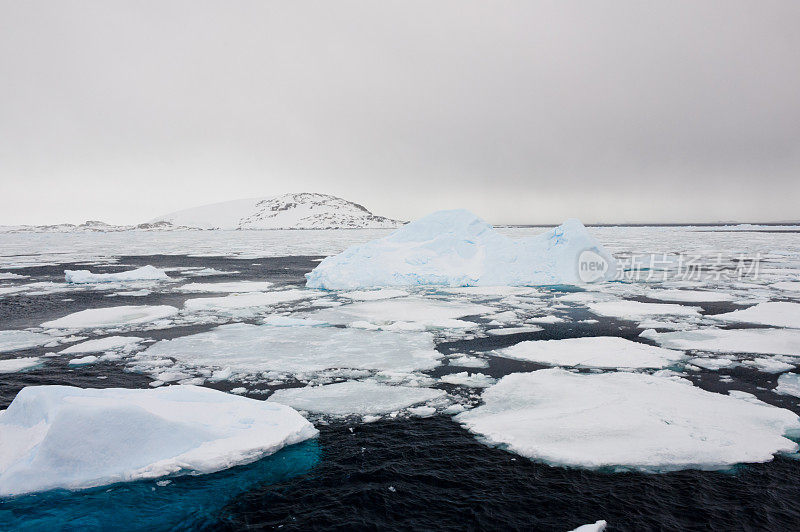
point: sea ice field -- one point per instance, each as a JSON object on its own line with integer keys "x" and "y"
{"x": 447, "y": 375}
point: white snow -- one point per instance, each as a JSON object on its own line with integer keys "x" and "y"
{"x": 248, "y": 300}
{"x": 12, "y": 365}
{"x": 248, "y": 349}
{"x": 627, "y": 420}
{"x": 634, "y": 310}
{"x": 145, "y": 273}
{"x": 354, "y": 398}
{"x": 112, "y": 316}
{"x": 65, "y": 437}
{"x": 231, "y": 287}
{"x": 593, "y": 352}
{"x": 19, "y": 340}
{"x": 456, "y": 248}
{"x": 109, "y": 343}
{"x": 777, "y": 314}
{"x": 756, "y": 341}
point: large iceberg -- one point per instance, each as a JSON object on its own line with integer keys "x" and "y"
{"x": 74, "y": 438}
{"x": 627, "y": 421}
{"x": 456, "y": 248}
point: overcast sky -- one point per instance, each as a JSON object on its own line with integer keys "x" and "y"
{"x": 524, "y": 112}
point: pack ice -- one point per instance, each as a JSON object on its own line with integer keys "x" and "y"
{"x": 627, "y": 421}
{"x": 74, "y": 438}
{"x": 456, "y": 248}
{"x": 145, "y": 273}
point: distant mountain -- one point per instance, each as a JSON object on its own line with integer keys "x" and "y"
{"x": 288, "y": 211}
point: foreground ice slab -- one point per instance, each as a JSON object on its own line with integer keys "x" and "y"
{"x": 249, "y": 349}
{"x": 112, "y": 316}
{"x": 777, "y": 314}
{"x": 19, "y": 340}
{"x": 65, "y": 437}
{"x": 593, "y": 352}
{"x": 145, "y": 273}
{"x": 756, "y": 341}
{"x": 354, "y": 398}
{"x": 456, "y": 248}
{"x": 628, "y": 421}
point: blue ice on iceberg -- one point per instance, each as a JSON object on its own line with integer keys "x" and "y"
{"x": 456, "y": 248}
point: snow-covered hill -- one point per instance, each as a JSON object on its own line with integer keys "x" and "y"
{"x": 288, "y": 211}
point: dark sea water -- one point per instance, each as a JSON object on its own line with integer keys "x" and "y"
{"x": 412, "y": 474}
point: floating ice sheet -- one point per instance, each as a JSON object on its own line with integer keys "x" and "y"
{"x": 249, "y": 300}
{"x": 627, "y": 420}
{"x": 423, "y": 311}
{"x": 249, "y": 349}
{"x": 756, "y": 341}
{"x": 230, "y": 287}
{"x": 19, "y": 340}
{"x": 593, "y": 352}
{"x": 775, "y": 313}
{"x": 354, "y": 398}
{"x": 789, "y": 384}
{"x": 112, "y": 316}
{"x": 690, "y": 296}
{"x": 65, "y": 437}
{"x": 13, "y": 365}
{"x": 145, "y": 273}
{"x": 110, "y": 343}
{"x": 634, "y": 310}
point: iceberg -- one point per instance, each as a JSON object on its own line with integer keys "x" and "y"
{"x": 75, "y": 438}
{"x": 627, "y": 421}
{"x": 354, "y": 398}
{"x": 145, "y": 273}
{"x": 456, "y": 248}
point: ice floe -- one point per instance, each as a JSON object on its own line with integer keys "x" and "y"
{"x": 19, "y": 340}
{"x": 110, "y": 343}
{"x": 354, "y": 398}
{"x": 690, "y": 296}
{"x": 635, "y": 310}
{"x": 789, "y": 384}
{"x": 250, "y": 349}
{"x": 231, "y": 287}
{"x": 112, "y": 316}
{"x": 54, "y": 436}
{"x": 627, "y": 421}
{"x": 597, "y": 526}
{"x": 593, "y": 352}
{"x": 145, "y": 273}
{"x": 456, "y": 248}
{"x": 374, "y": 295}
{"x": 237, "y": 302}
{"x": 756, "y": 341}
{"x": 775, "y": 313}
{"x": 422, "y": 311}
{"x": 13, "y": 365}
{"x": 470, "y": 380}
